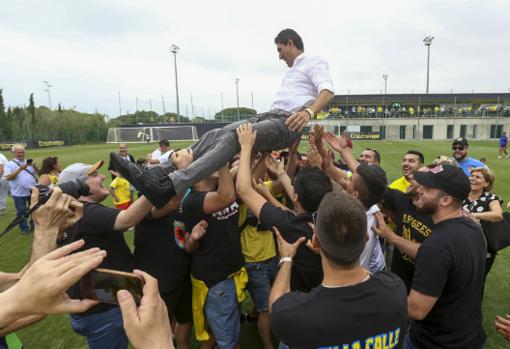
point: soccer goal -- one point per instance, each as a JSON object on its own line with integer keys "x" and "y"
{"x": 142, "y": 134}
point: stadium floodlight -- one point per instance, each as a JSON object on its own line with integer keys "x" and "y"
{"x": 428, "y": 41}
{"x": 385, "y": 77}
{"x": 48, "y": 91}
{"x": 174, "y": 49}
{"x": 237, "y": 96}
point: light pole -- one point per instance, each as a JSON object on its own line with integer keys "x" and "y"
{"x": 237, "y": 97}
{"x": 385, "y": 77}
{"x": 174, "y": 49}
{"x": 48, "y": 90}
{"x": 428, "y": 41}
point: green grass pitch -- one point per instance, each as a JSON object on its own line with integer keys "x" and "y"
{"x": 55, "y": 331}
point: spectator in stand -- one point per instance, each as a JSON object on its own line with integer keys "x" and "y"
{"x": 412, "y": 161}
{"x": 4, "y": 185}
{"x": 123, "y": 153}
{"x": 446, "y": 292}
{"x": 102, "y": 227}
{"x": 503, "y": 140}
{"x": 484, "y": 205}
{"x": 161, "y": 155}
{"x": 318, "y": 318}
{"x": 21, "y": 174}
{"x": 460, "y": 153}
{"x": 50, "y": 171}
{"x": 121, "y": 192}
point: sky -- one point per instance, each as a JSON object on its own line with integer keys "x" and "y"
{"x": 92, "y": 51}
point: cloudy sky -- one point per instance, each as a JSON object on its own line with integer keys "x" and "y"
{"x": 91, "y": 50}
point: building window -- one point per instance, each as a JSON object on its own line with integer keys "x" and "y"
{"x": 463, "y": 129}
{"x": 496, "y": 131}
{"x": 475, "y": 131}
{"x": 449, "y": 132}
{"x": 402, "y": 131}
{"x": 428, "y": 131}
{"x": 342, "y": 129}
{"x": 382, "y": 131}
{"x": 414, "y": 131}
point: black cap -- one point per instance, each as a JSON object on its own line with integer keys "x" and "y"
{"x": 461, "y": 140}
{"x": 450, "y": 179}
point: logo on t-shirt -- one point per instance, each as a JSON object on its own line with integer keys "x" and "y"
{"x": 227, "y": 212}
{"x": 180, "y": 233}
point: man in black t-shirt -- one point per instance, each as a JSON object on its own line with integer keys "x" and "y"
{"x": 217, "y": 263}
{"x": 351, "y": 308}
{"x": 412, "y": 228}
{"x": 446, "y": 292}
{"x": 310, "y": 186}
{"x": 159, "y": 250}
{"x": 101, "y": 227}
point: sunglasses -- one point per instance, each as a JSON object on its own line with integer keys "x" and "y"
{"x": 458, "y": 148}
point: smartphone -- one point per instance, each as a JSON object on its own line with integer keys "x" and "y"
{"x": 29, "y": 161}
{"x": 103, "y": 285}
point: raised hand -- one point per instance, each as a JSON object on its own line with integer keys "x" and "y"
{"x": 246, "y": 135}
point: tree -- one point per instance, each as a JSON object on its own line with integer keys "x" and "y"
{"x": 5, "y": 129}
{"x": 230, "y": 114}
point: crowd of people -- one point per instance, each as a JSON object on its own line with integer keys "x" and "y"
{"x": 332, "y": 254}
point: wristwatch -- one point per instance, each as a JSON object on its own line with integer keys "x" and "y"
{"x": 284, "y": 259}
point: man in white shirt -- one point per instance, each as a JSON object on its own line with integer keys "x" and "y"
{"x": 161, "y": 155}
{"x": 305, "y": 90}
{"x": 4, "y": 185}
{"x": 21, "y": 174}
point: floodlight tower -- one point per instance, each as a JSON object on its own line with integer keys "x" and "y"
{"x": 237, "y": 97}
{"x": 174, "y": 49}
{"x": 385, "y": 77}
{"x": 428, "y": 41}
{"x": 48, "y": 90}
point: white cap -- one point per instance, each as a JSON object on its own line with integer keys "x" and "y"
{"x": 76, "y": 170}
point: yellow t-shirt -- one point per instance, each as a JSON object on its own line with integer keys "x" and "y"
{"x": 122, "y": 190}
{"x": 400, "y": 184}
{"x": 257, "y": 246}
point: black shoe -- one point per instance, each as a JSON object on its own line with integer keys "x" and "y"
{"x": 153, "y": 183}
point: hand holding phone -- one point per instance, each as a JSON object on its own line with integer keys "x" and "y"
{"x": 103, "y": 285}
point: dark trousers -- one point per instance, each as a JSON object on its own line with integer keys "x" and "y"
{"x": 22, "y": 203}
{"x": 217, "y": 147}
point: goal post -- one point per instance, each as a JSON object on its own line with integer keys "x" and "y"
{"x": 143, "y": 134}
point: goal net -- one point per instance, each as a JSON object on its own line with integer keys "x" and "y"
{"x": 141, "y": 134}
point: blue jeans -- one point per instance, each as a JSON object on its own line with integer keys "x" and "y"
{"x": 103, "y": 330}
{"x": 408, "y": 344}
{"x": 222, "y": 313}
{"x": 260, "y": 278}
{"x": 218, "y": 146}
{"x": 22, "y": 203}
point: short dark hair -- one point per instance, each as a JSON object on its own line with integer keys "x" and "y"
{"x": 164, "y": 142}
{"x": 418, "y": 154}
{"x": 341, "y": 228}
{"x": 311, "y": 184}
{"x": 285, "y": 35}
{"x": 377, "y": 155}
{"x": 372, "y": 184}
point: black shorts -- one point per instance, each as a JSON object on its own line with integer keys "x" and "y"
{"x": 178, "y": 303}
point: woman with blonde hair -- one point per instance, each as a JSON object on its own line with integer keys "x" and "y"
{"x": 50, "y": 171}
{"x": 483, "y": 204}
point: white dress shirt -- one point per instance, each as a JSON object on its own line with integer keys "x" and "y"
{"x": 307, "y": 77}
{"x": 162, "y": 157}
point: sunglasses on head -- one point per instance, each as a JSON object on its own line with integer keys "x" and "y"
{"x": 458, "y": 148}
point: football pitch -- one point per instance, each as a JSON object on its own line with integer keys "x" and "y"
{"x": 55, "y": 331}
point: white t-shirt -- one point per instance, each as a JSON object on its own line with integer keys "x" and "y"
{"x": 3, "y": 161}
{"x": 371, "y": 257}
{"x": 307, "y": 77}
{"x": 162, "y": 157}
